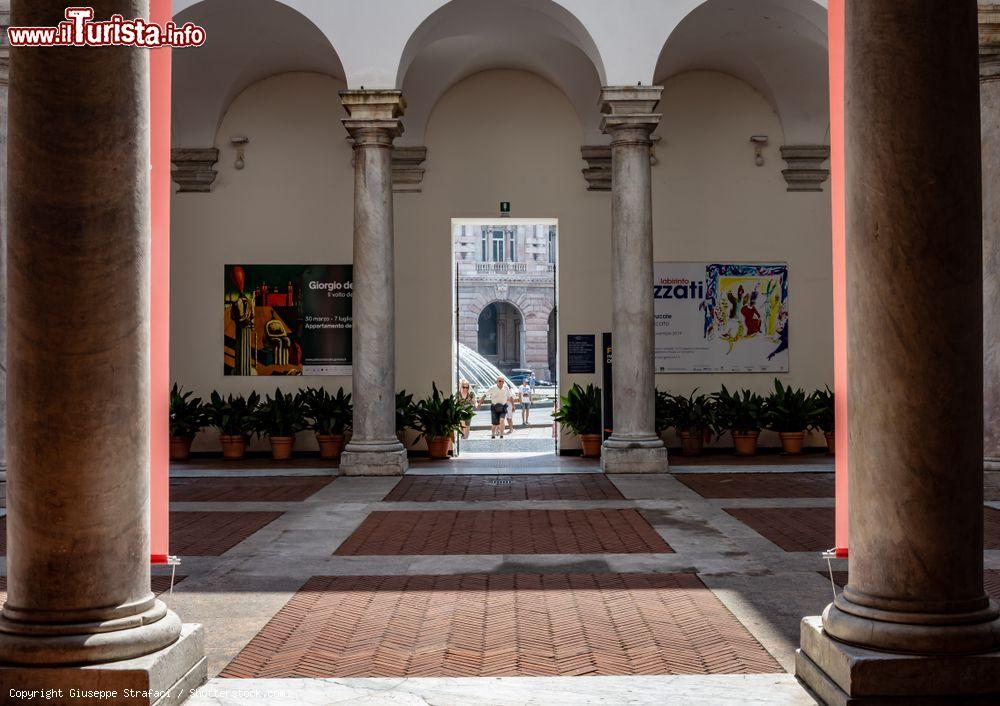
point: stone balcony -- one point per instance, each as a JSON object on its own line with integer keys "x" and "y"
{"x": 501, "y": 268}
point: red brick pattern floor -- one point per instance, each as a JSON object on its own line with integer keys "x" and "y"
{"x": 501, "y": 625}
{"x": 794, "y": 529}
{"x": 566, "y": 486}
{"x": 991, "y": 528}
{"x": 759, "y": 485}
{"x": 243, "y": 489}
{"x": 504, "y": 532}
{"x": 213, "y": 533}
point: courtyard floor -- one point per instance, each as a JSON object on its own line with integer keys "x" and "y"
{"x": 506, "y": 579}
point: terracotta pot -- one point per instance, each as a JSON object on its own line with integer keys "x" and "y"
{"x": 831, "y": 442}
{"x": 745, "y": 442}
{"x": 281, "y": 447}
{"x": 591, "y": 445}
{"x": 706, "y": 437}
{"x": 233, "y": 447}
{"x": 691, "y": 443}
{"x": 330, "y": 445}
{"x": 437, "y": 446}
{"x": 791, "y": 441}
{"x": 180, "y": 447}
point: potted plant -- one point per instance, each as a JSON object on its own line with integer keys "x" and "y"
{"x": 234, "y": 418}
{"x": 663, "y": 414}
{"x": 404, "y": 414}
{"x": 280, "y": 418}
{"x": 187, "y": 418}
{"x": 330, "y": 416}
{"x": 580, "y": 412}
{"x": 824, "y": 416}
{"x": 691, "y": 416}
{"x": 742, "y": 413}
{"x": 437, "y": 418}
{"x": 789, "y": 412}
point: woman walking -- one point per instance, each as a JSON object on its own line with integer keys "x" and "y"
{"x": 467, "y": 399}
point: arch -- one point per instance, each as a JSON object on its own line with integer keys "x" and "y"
{"x": 250, "y": 40}
{"x": 465, "y": 37}
{"x": 500, "y": 335}
{"x": 779, "y": 47}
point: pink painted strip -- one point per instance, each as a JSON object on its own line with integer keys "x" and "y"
{"x": 835, "y": 21}
{"x": 159, "y": 85}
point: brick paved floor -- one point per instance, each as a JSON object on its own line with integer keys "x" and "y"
{"x": 794, "y": 529}
{"x": 213, "y": 533}
{"x": 502, "y": 625}
{"x": 246, "y": 489}
{"x": 504, "y": 532}
{"x": 991, "y": 528}
{"x": 576, "y": 486}
{"x": 759, "y": 485}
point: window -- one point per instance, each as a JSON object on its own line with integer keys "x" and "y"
{"x": 513, "y": 245}
{"x": 498, "y": 245}
{"x": 552, "y": 245}
{"x": 485, "y": 251}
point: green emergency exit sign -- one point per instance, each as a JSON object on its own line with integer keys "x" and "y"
{"x": 505, "y": 208}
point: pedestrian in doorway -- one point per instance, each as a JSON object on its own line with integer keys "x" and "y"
{"x": 525, "y": 391}
{"x": 466, "y": 398}
{"x": 498, "y": 396}
{"x": 511, "y": 406}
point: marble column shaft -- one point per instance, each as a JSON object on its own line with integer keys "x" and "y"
{"x": 633, "y": 447}
{"x": 78, "y": 293}
{"x": 373, "y": 124}
{"x": 4, "y": 75}
{"x": 989, "y": 95}
{"x": 915, "y": 343}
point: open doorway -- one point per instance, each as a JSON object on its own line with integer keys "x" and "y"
{"x": 505, "y": 325}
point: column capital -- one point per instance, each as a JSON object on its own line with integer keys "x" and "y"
{"x": 989, "y": 41}
{"x": 374, "y": 116}
{"x": 194, "y": 168}
{"x": 805, "y": 170}
{"x": 630, "y": 108}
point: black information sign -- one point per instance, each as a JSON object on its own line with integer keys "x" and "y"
{"x": 580, "y": 353}
{"x": 608, "y": 391}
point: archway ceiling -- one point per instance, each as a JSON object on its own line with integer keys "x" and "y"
{"x": 250, "y": 40}
{"x": 777, "y": 46}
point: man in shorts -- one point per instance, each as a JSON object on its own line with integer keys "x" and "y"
{"x": 498, "y": 396}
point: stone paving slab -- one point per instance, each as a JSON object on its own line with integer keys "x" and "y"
{"x": 502, "y": 625}
{"x": 675, "y": 690}
{"x": 244, "y": 489}
{"x": 157, "y": 584}
{"x": 760, "y": 485}
{"x": 991, "y": 528}
{"x": 991, "y": 581}
{"x": 794, "y": 529}
{"x": 213, "y": 533}
{"x": 581, "y": 486}
{"x": 504, "y": 532}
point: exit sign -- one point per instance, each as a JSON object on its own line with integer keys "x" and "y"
{"x": 505, "y": 208}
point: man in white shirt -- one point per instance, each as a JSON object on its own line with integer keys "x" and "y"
{"x": 498, "y": 395}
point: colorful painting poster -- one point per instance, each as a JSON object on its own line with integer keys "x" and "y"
{"x": 715, "y": 318}
{"x": 287, "y": 319}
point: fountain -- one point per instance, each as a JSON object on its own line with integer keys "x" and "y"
{"x": 480, "y": 373}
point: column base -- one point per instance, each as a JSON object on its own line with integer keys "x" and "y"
{"x": 839, "y": 674}
{"x": 634, "y": 456}
{"x": 163, "y": 678}
{"x": 374, "y": 459}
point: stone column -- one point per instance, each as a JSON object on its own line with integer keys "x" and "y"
{"x": 989, "y": 96}
{"x": 914, "y": 620}
{"x": 78, "y": 575}
{"x": 634, "y": 447}
{"x": 373, "y": 124}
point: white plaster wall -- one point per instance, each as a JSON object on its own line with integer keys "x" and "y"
{"x": 293, "y": 203}
{"x": 712, "y": 203}
{"x": 498, "y": 135}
